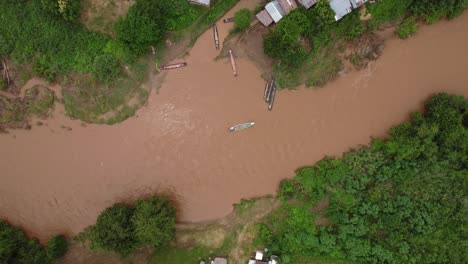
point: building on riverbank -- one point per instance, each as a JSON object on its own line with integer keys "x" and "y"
{"x": 264, "y": 18}
{"x": 341, "y": 8}
{"x": 275, "y": 10}
{"x": 287, "y": 5}
{"x": 358, "y": 3}
{"x": 307, "y": 3}
{"x": 200, "y": 2}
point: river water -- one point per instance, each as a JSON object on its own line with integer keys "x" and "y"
{"x": 54, "y": 179}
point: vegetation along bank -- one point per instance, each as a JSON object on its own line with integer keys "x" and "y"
{"x": 103, "y": 72}
{"x": 310, "y": 47}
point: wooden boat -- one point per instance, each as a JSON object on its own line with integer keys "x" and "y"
{"x": 271, "y": 87}
{"x": 265, "y": 92}
{"x": 173, "y": 66}
{"x": 233, "y": 63}
{"x": 241, "y": 126}
{"x": 228, "y": 20}
{"x": 272, "y": 99}
{"x": 216, "y": 36}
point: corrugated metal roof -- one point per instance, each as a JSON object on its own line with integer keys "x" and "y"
{"x": 219, "y": 261}
{"x": 264, "y": 18}
{"x": 287, "y": 5}
{"x": 275, "y": 10}
{"x": 307, "y": 3}
{"x": 357, "y": 3}
{"x": 341, "y": 8}
{"x": 201, "y": 2}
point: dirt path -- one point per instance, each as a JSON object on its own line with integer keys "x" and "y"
{"x": 58, "y": 180}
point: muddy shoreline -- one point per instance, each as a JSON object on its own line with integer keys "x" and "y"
{"x": 56, "y": 180}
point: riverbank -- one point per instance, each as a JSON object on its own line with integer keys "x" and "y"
{"x": 178, "y": 143}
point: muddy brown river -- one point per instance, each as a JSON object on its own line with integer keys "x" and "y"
{"x": 55, "y": 180}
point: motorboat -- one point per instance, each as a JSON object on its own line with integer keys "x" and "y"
{"x": 241, "y": 126}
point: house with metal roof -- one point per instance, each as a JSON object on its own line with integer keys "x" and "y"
{"x": 357, "y": 3}
{"x": 200, "y": 2}
{"x": 275, "y": 10}
{"x": 287, "y": 5}
{"x": 341, "y": 8}
{"x": 264, "y": 18}
{"x": 307, "y": 3}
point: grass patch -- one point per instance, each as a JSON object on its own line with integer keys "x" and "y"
{"x": 40, "y": 100}
{"x": 12, "y": 110}
{"x": 182, "y": 255}
{"x": 322, "y": 66}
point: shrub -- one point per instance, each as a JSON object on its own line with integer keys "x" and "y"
{"x": 123, "y": 228}
{"x": 388, "y": 11}
{"x": 242, "y": 20}
{"x": 67, "y": 9}
{"x": 138, "y": 31}
{"x": 56, "y": 247}
{"x": 283, "y": 42}
{"x": 106, "y": 67}
{"x": 433, "y": 10}
{"x": 114, "y": 230}
{"x": 154, "y": 221}
{"x": 408, "y": 27}
{"x": 16, "y": 247}
{"x": 3, "y": 84}
{"x": 355, "y": 32}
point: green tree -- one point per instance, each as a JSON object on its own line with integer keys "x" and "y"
{"x": 16, "y": 247}
{"x": 106, "y": 67}
{"x": 154, "y": 221}
{"x": 56, "y": 247}
{"x": 138, "y": 31}
{"x": 283, "y": 42}
{"x": 114, "y": 230}
{"x": 242, "y": 19}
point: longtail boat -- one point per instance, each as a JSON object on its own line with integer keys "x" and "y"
{"x": 241, "y": 126}
{"x": 233, "y": 63}
{"x": 216, "y": 36}
{"x": 173, "y": 66}
{"x": 228, "y": 20}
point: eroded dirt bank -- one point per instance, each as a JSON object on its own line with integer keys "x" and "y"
{"x": 59, "y": 176}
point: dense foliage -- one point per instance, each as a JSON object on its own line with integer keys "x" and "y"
{"x": 306, "y": 43}
{"x": 398, "y": 201}
{"x": 123, "y": 228}
{"x": 30, "y": 34}
{"x": 148, "y": 21}
{"x": 106, "y": 67}
{"x": 242, "y": 19}
{"x": 16, "y": 247}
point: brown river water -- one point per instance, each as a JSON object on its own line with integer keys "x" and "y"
{"x": 58, "y": 180}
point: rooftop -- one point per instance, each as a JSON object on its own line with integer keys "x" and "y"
{"x": 200, "y": 2}
{"x": 307, "y": 3}
{"x": 341, "y": 8}
{"x": 275, "y": 10}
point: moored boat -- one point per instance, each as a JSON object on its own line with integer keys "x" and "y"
{"x": 241, "y": 126}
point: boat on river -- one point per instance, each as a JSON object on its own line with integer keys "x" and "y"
{"x": 241, "y": 126}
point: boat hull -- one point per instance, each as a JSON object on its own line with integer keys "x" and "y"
{"x": 241, "y": 126}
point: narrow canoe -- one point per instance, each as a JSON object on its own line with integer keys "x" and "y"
{"x": 241, "y": 126}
